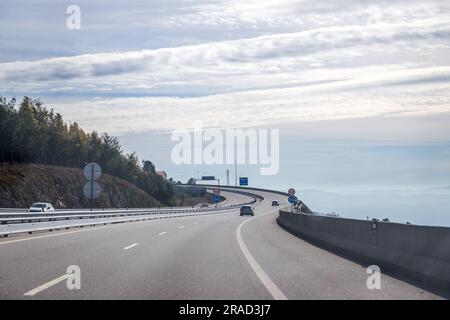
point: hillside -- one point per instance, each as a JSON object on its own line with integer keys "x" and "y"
{"x": 32, "y": 133}
{"x": 21, "y": 185}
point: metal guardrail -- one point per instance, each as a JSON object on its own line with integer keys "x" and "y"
{"x": 13, "y": 223}
{"x": 54, "y": 224}
{"x": 82, "y": 215}
{"x": 94, "y": 212}
{"x": 6, "y": 211}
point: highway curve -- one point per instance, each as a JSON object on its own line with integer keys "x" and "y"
{"x": 218, "y": 256}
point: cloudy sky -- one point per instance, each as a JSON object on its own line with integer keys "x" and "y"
{"x": 363, "y": 86}
{"x": 233, "y": 62}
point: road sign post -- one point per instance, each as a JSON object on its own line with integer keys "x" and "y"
{"x": 292, "y": 198}
{"x": 92, "y": 171}
{"x": 92, "y": 189}
{"x": 216, "y": 199}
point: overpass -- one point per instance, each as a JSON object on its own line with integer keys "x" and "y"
{"x": 208, "y": 253}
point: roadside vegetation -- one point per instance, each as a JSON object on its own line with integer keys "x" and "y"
{"x": 32, "y": 133}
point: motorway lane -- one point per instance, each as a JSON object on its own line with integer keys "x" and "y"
{"x": 304, "y": 271}
{"x": 157, "y": 268}
{"x": 201, "y": 260}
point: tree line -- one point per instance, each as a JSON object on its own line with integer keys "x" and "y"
{"x": 33, "y": 131}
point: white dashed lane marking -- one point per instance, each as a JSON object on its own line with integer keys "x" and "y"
{"x": 131, "y": 246}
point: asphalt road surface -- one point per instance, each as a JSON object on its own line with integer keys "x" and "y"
{"x": 217, "y": 256}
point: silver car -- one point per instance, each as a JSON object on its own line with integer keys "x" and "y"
{"x": 41, "y": 207}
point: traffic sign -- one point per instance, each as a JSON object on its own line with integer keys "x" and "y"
{"x": 216, "y": 198}
{"x": 243, "y": 181}
{"x": 92, "y": 189}
{"x": 216, "y": 191}
{"x": 292, "y": 199}
{"x": 291, "y": 191}
{"x": 208, "y": 178}
{"x": 92, "y": 171}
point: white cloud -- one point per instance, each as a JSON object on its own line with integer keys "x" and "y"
{"x": 262, "y": 55}
{"x": 235, "y": 14}
{"x": 290, "y": 61}
{"x": 390, "y": 96}
{"x": 296, "y": 14}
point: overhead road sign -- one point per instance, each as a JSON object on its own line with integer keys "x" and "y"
{"x": 243, "y": 181}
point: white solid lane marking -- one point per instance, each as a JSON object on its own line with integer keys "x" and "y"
{"x": 162, "y": 233}
{"x": 131, "y": 246}
{"x": 276, "y": 293}
{"x": 47, "y": 285}
{"x": 180, "y": 227}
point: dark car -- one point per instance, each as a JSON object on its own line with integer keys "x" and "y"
{"x": 275, "y": 203}
{"x": 247, "y": 210}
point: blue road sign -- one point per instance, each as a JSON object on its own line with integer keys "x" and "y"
{"x": 243, "y": 181}
{"x": 292, "y": 199}
{"x": 208, "y": 178}
{"x": 216, "y": 198}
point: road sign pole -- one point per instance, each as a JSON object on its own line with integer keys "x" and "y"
{"x": 292, "y": 198}
{"x": 92, "y": 171}
{"x": 92, "y": 186}
{"x": 235, "y": 169}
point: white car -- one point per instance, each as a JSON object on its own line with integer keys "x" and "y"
{"x": 41, "y": 207}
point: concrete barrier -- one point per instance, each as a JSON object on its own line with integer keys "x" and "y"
{"x": 420, "y": 253}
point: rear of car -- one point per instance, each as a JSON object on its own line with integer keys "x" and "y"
{"x": 275, "y": 203}
{"x": 247, "y": 210}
